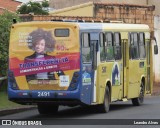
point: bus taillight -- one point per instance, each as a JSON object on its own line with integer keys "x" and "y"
{"x": 74, "y": 82}
{"x": 12, "y": 80}
{"x": 76, "y": 74}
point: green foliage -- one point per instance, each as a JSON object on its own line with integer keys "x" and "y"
{"x": 5, "y": 25}
{"x": 5, "y": 103}
{"x": 45, "y": 4}
{"x": 34, "y": 7}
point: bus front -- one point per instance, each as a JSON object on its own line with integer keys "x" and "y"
{"x": 44, "y": 65}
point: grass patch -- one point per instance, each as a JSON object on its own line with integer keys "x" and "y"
{"x": 5, "y": 103}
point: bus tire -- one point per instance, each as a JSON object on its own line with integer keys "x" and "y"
{"x": 139, "y": 100}
{"x": 104, "y": 108}
{"x": 47, "y": 108}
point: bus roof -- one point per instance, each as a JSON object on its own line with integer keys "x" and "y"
{"x": 94, "y": 26}
{"x": 115, "y": 26}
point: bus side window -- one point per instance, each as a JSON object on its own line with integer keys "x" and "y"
{"x": 102, "y": 47}
{"x": 142, "y": 51}
{"x": 109, "y": 46}
{"x": 86, "y": 57}
{"x": 133, "y": 47}
{"x": 117, "y": 46}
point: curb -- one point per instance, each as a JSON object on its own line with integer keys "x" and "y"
{"x": 15, "y": 110}
{"x": 156, "y": 94}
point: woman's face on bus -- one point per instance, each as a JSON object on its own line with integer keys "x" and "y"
{"x": 40, "y": 46}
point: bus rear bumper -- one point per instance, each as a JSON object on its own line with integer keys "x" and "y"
{"x": 44, "y": 96}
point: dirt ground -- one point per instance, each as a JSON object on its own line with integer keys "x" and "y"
{"x": 156, "y": 89}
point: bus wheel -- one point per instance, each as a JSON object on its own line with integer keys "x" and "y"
{"x": 139, "y": 100}
{"x": 47, "y": 108}
{"x": 104, "y": 108}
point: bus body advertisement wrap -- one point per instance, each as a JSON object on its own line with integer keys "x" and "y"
{"x": 42, "y": 60}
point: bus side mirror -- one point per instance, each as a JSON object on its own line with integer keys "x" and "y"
{"x": 14, "y": 21}
{"x": 155, "y": 49}
{"x": 155, "y": 46}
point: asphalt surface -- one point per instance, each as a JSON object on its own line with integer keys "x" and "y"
{"x": 119, "y": 110}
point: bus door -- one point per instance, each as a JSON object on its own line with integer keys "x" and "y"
{"x": 125, "y": 67}
{"x": 89, "y": 67}
{"x": 116, "y": 64}
{"x": 148, "y": 84}
{"x": 95, "y": 62}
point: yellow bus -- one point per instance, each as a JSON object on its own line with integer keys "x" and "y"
{"x": 77, "y": 63}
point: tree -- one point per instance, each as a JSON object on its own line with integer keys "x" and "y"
{"x": 5, "y": 24}
{"x": 45, "y": 4}
{"x": 34, "y": 7}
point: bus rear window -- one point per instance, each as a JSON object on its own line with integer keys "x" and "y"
{"x": 61, "y": 32}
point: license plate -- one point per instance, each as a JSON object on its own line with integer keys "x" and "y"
{"x": 43, "y": 94}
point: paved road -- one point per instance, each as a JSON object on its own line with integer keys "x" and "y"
{"x": 119, "y": 110}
